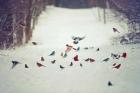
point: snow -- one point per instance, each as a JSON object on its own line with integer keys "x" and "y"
{"x": 55, "y": 28}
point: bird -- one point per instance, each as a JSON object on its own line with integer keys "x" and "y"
{"x": 81, "y": 65}
{"x": 81, "y": 38}
{"x": 75, "y": 42}
{"x": 76, "y": 58}
{"x": 40, "y": 65}
{"x": 106, "y": 59}
{"x": 34, "y": 43}
{"x": 98, "y": 49}
{"x": 124, "y": 55}
{"x": 61, "y": 54}
{"x": 118, "y": 66}
{"x": 115, "y": 30}
{"x": 88, "y": 59}
{"x": 86, "y": 48}
{"x": 65, "y": 55}
{"x": 42, "y": 59}
{"x": 62, "y": 67}
{"x": 109, "y": 83}
{"x": 115, "y": 56}
{"x": 92, "y": 60}
{"x": 74, "y": 38}
{"x": 78, "y": 49}
{"x": 14, "y": 63}
{"x": 71, "y": 64}
{"x": 114, "y": 64}
{"x": 26, "y": 66}
{"x": 53, "y": 61}
{"x": 52, "y": 53}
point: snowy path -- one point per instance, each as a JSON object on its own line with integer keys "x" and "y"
{"x": 55, "y": 28}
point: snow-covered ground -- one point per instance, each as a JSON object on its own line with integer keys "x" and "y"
{"x": 54, "y": 30}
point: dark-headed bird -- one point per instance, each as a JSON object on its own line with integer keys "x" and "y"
{"x": 76, "y": 58}
{"x": 34, "y": 43}
{"x": 53, "y": 61}
{"x": 115, "y": 30}
{"x": 106, "y": 59}
{"x": 71, "y": 64}
{"x": 42, "y": 59}
{"x": 14, "y": 63}
{"x": 52, "y": 53}
{"x": 81, "y": 65}
{"x": 62, "y": 67}
{"x": 40, "y": 65}
{"x": 118, "y": 66}
{"x": 92, "y": 60}
{"x": 26, "y": 66}
{"x": 98, "y": 49}
{"x": 124, "y": 55}
{"x": 109, "y": 83}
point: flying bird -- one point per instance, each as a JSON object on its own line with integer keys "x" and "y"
{"x": 52, "y": 53}
{"x": 118, "y": 66}
{"x": 53, "y": 61}
{"x": 42, "y": 59}
{"x": 62, "y": 67}
{"x": 14, "y": 63}
{"x": 71, "y": 64}
{"x": 40, "y": 65}
{"x": 76, "y": 58}
{"x": 26, "y": 66}
{"x": 106, "y": 59}
{"x": 109, "y": 83}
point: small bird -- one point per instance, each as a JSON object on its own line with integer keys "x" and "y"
{"x": 62, "y": 54}
{"x": 75, "y": 42}
{"x": 26, "y": 66}
{"x": 98, "y": 49}
{"x": 115, "y": 30}
{"x": 71, "y": 64}
{"x": 78, "y": 49}
{"x": 92, "y": 60}
{"x": 106, "y": 59}
{"x": 86, "y": 48}
{"x": 42, "y": 59}
{"x": 62, "y": 67}
{"x": 115, "y": 56}
{"x": 52, "y": 53}
{"x": 65, "y": 55}
{"x": 81, "y": 65}
{"x": 124, "y": 55}
{"x": 109, "y": 83}
{"x": 114, "y": 64}
{"x": 76, "y": 58}
{"x": 53, "y": 61}
{"x": 14, "y": 63}
{"x": 40, "y": 65}
{"x": 118, "y": 66}
{"x": 88, "y": 59}
{"x": 34, "y": 43}
{"x": 81, "y": 38}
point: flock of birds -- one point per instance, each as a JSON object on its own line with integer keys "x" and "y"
{"x": 76, "y": 40}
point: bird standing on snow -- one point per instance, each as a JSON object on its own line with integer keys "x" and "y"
{"x": 14, "y": 63}
{"x": 76, "y": 58}
{"x": 92, "y": 60}
{"x": 71, "y": 64}
{"x": 109, "y": 83}
{"x": 88, "y": 59}
{"x": 107, "y": 59}
{"x": 124, "y": 55}
{"x": 40, "y": 65}
{"x": 98, "y": 49}
{"x": 62, "y": 67}
{"x": 42, "y": 59}
{"x": 115, "y": 30}
{"x": 52, "y": 54}
{"x": 26, "y": 66}
{"x": 118, "y": 66}
{"x": 53, "y": 61}
{"x": 81, "y": 65}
